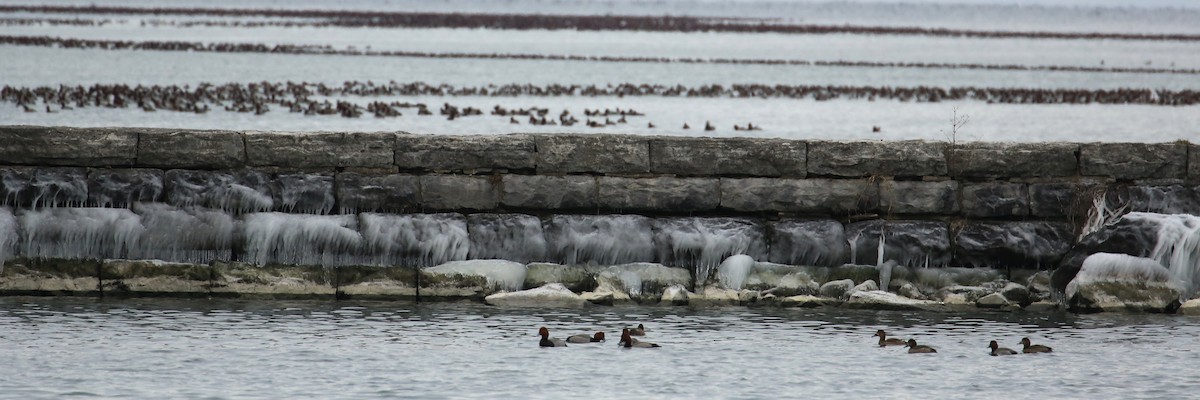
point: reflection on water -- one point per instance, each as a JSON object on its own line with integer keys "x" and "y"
{"x": 147, "y": 348}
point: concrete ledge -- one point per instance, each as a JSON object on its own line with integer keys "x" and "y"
{"x": 1011, "y": 160}
{"x": 153, "y": 278}
{"x": 465, "y": 154}
{"x": 1134, "y": 160}
{"x": 658, "y": 194}
{"x": 234, "y": 279}
{"x": 320, "y": 149}
{"x": 836, "y": 196}
{"x": 376, "y": 283}
{"x": 191, "y": 149}
{"x": 685, "y": 156}
{"x": 858, "y": 159}
{"x": 592, "y": 154}
{"x": 77, "y": 278}
{"x": 75, "y": 147}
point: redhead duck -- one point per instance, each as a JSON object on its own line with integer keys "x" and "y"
{"x": 884, "y": 341}
{"x": 598, "y": 337}
{"x": 1000, "y": 351}
{"x": 548, "y": 341}
{"x": 914, "y": 348}
{"x": 629, "y": 342}
{"x": 639, "y": 331}
{"x": 1033, "y": 348}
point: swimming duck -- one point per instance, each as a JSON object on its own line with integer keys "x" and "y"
{"x": 884, "y": 341}
{"x": 629, "y": 342}
{"x": 598, "y": 337}
{"x": 1033, "y": 348}
{"x": 1000, "y": 351}
{"x": 548, "y": 341}
{"x": 639, "y": 331}
{"x": 914, "y": 348}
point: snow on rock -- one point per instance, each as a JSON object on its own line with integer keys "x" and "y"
{"x": 500, "y": 274}
{"x": 549, "y": 295}
{"x": 881, "y": 300}
{"x": 1121, "y": 282}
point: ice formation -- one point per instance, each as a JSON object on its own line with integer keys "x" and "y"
{"x": 600, "y": 239}
{"x": 417, "y": 239}
{"x": 732, "y": 272}
{"x": 500, "y": 274}
{"x": 327, "y": 240}
{"x": 1109, "y": 267}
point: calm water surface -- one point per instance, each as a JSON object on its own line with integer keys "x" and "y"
{"x": 147, "y": 348}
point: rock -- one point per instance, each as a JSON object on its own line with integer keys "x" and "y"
{"x": 955, "y": 299}
{"x": 542, "y": 192}
{"x": 837, "y": 289}
{"x": 238, "y": 191}
{"x": 836, "y": 196}
{"x": 675, "y": 295}
{"x": 702, "y": 156}
{"x": 191, "y": 149}
{"x": 497, "y": 275}
{"x": 795, "y": 284}
{"x": 918, "y": 197}
{"x": 396, "y": 193}
{"x": 995, "y": 199}
{"x": 1193, "y": 174}
{"x": 1162, "y": 199}
{"x": 910, "y": 291}
{"x": 716, "y": 296}
{"x": 692, "y": 241}
{"x": 1135, "y": 234}
{"x": 806, "y": 301}
{"x": 272, "y": 281}
{"x": 307, "y": 150}
{"x": 1013, "y": 160}
{"x": 1061, "y": 199}
{"x": 364, "y": 282}
{"x": 910, "y": 243}
{"x": 1017, "y": 294}
{"x": 801, "y": 242}
{"x": 578, "y": 278}
{"x": 592, "y": 154}
{"x": 1012, "y": 244}
{"x": 880, "y": 300}
{"x": 74, "y": 147}
{"x": 994, "y": 300}
{"x": 458, "y": 192}
{"x": 1120, "y": 282}
{"x": 1190, "y": 307}
{"x": 1126, "y": 161}
{"x": 969, "y": 293}
{"x": 154, "y": 277}
{"x": 911, "y": 158}
{"x": 549, "y": 295}
{"x": 663, "y": 194}
{"x": 643, "y": 280}
{"x": 50, "y": 276}
{"x": 465, "y": 154}
{"x": 866, "y": 286}
{"x": 1043, "y": 306}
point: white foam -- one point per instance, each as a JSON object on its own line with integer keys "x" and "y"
{"x": 1108, "y": 267}
{"x": 79, "y": 233}
{"x": 732, "y": 272}
{"x": 416, "y": 240}
{"x": 500, "y": 274}
{"x": 327, "y": 240}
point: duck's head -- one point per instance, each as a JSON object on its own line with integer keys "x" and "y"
{"x": 544, "y": 331}
{"x": 911, "y": 343}
{"x": 993, "y": 345}
{"x": 642, "y": 327}
{"x": 598, "y": 336}
{"x": 1025, "y": 342}
{"x": 625, "y": 338}
{"x": 880, "y": 333}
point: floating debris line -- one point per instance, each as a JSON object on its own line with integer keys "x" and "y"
{"x": 70, "y": 43}
{"x": 321, "y": 99}
{"x": 383, "y": 19}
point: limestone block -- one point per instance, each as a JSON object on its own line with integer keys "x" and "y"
{"x": 995, "y": 199}
{"x": 594, "y": 154}
{"x": 155, "y": 278}
{"x": 123, "y": 187}
{"x": 1019, "y": 244}
{"x": 300, "y": 150}
{"x": 543, "y": 192}
{"x": 1012, "y": 160}
{"x": 371, "y": 193}
{"x": 465, "y": 154}
{"x": 918, "y": 197}
{"x": 458, "y": 192}
{"x": 882, "y": 158}
{"x": 695, "y": 156}
{"x": 839, "y": 196}
{"x": 171, "y": 149}
{"x": 63, "y": 146}
{"x": 1128, "y": 161}
{"x": 658, "y": 194}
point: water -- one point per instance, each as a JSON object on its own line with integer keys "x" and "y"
{"x": 145, "y": 348}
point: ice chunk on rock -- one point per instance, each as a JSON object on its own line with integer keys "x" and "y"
{"x": 550, "y": 295}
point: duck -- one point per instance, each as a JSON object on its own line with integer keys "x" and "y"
{"x": 629, "y": 342}
{"x": 598, "y": 337}
{"x": 709, "y": 127}
{"x": 1033, "y": 348}
{"x": 1000, "y": 351}
{"x": 914, "y": 348}
{"x": 884, "y": 341}
{"x": 548, "y": 341}
{"x": 639, "y": 331}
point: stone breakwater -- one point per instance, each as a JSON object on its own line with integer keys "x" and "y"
{"x": 312, "y": 214}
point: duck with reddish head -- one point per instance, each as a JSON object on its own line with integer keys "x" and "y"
{"x": 548, "y": 341}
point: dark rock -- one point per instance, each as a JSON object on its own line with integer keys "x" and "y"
{"x": 820, "y": 242}
{"x": 192, "y": 149}
{"x": 1134, "y": 160}
{"x": 238, "y": 191}
{"x": 658, "y": 194}
{"x": 458, "y": 192}
{"x": 995, "y": 199}
{"x": 1013, "y": 160}
{"x": 912, "y": 158}
{"x": 43, "y": 187}
{"x": 697, "y": 156}
{"x": 689, "y": 242}
{"x": 303, "y": 193}
{"x": 1135, "y": 234}
{"x": 1013, "y": 244}
{"x": 542, "y": 192}
{"x": 1165, "y": 199}
{"x": 593, "y": 154}
{"x": 301, "y": 150}
{"x": 123, "y": 187}
{"x": 1061, "y": 199}
{"x": 372, "y": 193}
{"x": 73, "y": 147}
{"x": 836, "y": 196}
{"x": 918, "y": 197}
{"x": 911, "y": 243}
{"x": 466, "y": 154}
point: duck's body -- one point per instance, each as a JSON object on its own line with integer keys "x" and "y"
{"x": 548, "y": 341}
{"x": 914, "y": 348}
{"x": 1000, "y": 351}
{"x": 1028, "y": 347}
{"x": 629, "y": 342}
{"x": 639, "y": 331}
{"x": 598, "y": 337}
{"x": 884, "y": 341}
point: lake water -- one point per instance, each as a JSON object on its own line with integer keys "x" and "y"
{"x": 887, "y": 61}
{"x": 214, "y": 349}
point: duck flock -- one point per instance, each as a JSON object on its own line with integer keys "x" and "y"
{"x": 628, "y": 341}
